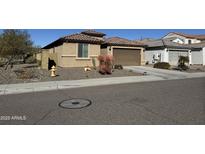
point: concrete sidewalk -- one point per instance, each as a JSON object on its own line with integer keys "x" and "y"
{"x": 55, "y": 85}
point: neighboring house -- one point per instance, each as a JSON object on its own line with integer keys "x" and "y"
{"x": 164, "y": 50}
{"x": 79, "y": 50}
{"x": 124, "y": 51}
{"x": 198, "y": 53}
{"x": 75, "y": 50}
{"x": 197, "y": 43}
{"x": 184, "y": 38}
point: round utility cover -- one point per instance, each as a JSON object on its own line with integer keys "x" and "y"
{"x": 75, "y": 103}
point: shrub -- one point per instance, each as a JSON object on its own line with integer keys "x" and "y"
{"x": 105, "y": 64}
{"x": 162, "y": 65}
{"x": 101, "y": 59}
{"x": 109, "y": 63}
{"x": 182, "y": 62}
{"x": 119, "y": 67}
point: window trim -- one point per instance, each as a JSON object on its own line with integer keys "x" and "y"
{"x": 77, "y": 47}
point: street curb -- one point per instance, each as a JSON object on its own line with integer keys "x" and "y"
{"x": 68, "y": 84}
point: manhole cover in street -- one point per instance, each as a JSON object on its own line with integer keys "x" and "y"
{"x": 75, "y": 103}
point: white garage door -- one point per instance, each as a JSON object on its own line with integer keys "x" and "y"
{"x": 174, "y": 56}
{"x": 196, "y": 57}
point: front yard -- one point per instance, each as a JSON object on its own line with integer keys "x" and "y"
{"x": 25, "y": 73}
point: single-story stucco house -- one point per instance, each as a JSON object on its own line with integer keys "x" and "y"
{"x": 81, "y": 49}
{"x": 163, "y": 50}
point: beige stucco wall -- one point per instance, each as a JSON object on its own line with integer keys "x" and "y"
{"x": 44, "y": 57}
{"x": 38, "y": 56}
{"x": 107, "y": 50}
{"x": 103, "y": 51}
{"x": 58, "y": 51}
{"x": 67, "y": 55}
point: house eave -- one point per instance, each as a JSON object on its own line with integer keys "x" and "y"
{"x": 124, "y": 45}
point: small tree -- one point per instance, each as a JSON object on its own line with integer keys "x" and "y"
{"x": 102, "y": 64}
{"x": 109, "y": 64}
{"x": 182, "y": 62}
{"x": 15, "y": 44}
{"x": 105, "y": 64}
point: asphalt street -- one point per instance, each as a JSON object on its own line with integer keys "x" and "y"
{"x": 158, "y": 102}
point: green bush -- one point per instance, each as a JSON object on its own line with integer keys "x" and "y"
{"x": 119, "y": 67}
{"x": 183, "y": 60}
{"x": 162, "y": 65}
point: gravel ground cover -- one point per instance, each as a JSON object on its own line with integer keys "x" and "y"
{"x": 32, "y": 73}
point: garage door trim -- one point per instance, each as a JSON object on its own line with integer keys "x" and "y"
{"x": 127, "y": 56}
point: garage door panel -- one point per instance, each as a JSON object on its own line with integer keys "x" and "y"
{"x": 126, "y": 57}
{"x": 196, "y": 57}
{"x": 174, "y": 56}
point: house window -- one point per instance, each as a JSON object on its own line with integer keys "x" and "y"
{"x": 189, "y": 41}
{"x": 82, "y": 50}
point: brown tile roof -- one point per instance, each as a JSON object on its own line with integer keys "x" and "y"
{"x": 75, "y": 38}
{"x": 117, "y": 41}
{"x": 93, "y": 33}
{"x": 81, "y": 38}
{"x": 200, "y": 37}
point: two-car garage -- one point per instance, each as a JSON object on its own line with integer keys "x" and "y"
{"x": 125, "y": 52}
{"x": 126, "y": 56}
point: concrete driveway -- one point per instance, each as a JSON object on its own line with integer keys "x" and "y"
{"x": 165, "y": 74}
